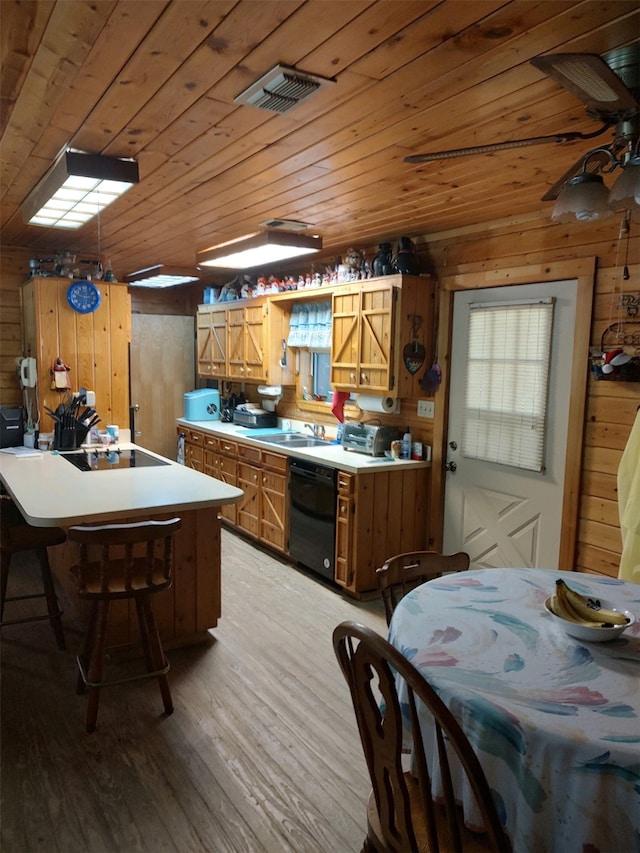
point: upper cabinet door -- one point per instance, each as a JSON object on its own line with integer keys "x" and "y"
{"x": 212, "y": 342}
{"x": 363, "y": 338}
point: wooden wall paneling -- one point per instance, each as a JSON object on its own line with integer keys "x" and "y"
{"x": 120, "y": 337}
{"x": 600, "y": 485}
{"x": 591, "y": 558}
{"x": 599, "y": 509}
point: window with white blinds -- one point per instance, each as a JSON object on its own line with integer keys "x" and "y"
{"x": 508, "y": 358}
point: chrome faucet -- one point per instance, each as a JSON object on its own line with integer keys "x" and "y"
{"x": 317, "y": 430}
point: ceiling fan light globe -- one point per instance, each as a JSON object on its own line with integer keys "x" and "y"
{"x": 625, "y": 193}
{"x": 584, "y": 198}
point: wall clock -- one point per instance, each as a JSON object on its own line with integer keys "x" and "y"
{"x": 83, "y": 296}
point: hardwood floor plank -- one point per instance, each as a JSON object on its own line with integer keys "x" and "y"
{"x": 261, "y": 754}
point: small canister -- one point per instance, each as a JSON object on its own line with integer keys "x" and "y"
{"x": 396, "y": 449}
{"x": 416, "y": 450}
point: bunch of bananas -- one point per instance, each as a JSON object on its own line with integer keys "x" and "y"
{"x": 570, "y": 605}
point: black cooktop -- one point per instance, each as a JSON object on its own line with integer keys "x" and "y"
{"x": 108, "y": 460}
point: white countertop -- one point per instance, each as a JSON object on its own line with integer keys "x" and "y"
{"x": 332, "y": 455}
{"x": 51, "y": 492}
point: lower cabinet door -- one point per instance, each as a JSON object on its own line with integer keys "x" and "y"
{"x": 248, "y": 508}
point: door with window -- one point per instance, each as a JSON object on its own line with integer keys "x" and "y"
{"x": 510, "y": 388}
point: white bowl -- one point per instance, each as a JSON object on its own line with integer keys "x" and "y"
{"x": 592, "y": 635}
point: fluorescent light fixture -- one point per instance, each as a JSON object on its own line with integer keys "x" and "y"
{"x": 161, "y": 276}
{"x": 263, "y": 247}
{"x": 76, "y": 188}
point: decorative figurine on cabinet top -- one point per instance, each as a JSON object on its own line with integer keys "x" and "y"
{"x": 382, "y": 262}
{"x": 406, "y": 260}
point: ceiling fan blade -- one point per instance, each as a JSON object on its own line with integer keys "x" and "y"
{"x": 503, "y": 146}
{"x": 594, "y": 164}
{"x": 590, "y": 79}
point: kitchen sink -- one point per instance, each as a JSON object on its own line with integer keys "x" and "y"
{"x": 293, "y": 439}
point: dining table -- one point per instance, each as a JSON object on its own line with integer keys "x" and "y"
{"x": 554, "y": 720}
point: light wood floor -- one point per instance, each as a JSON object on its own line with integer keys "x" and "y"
{"x": 261, "y": 753}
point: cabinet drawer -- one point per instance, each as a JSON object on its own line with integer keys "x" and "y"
{"x": 228, "y": 447}
{"x": 194, "y": 436}
{"x": 211, "y": 442}
{"x": 346, "y": 483}
{"x": 251, "y": 454}
{"x": 275, "y": 461}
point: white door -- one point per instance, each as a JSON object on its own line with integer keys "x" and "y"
{"x": 503, "y": 515}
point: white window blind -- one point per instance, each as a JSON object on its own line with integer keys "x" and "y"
{"x": 508, "y": 358}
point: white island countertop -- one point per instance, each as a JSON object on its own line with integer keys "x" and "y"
{"x": 330, "y": 454}
{"x": 51, "y": 492}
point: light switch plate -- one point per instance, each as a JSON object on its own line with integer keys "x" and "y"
{"x": 426, "y": 409}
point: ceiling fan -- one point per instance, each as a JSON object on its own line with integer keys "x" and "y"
{"x": 609, "y": 87}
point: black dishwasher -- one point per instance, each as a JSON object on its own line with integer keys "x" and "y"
{"x": 312, "y": 536}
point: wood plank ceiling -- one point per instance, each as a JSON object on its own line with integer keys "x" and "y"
{"x": 157, "y": 80}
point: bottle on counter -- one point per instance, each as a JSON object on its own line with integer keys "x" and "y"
{"x": 405, "y": 451}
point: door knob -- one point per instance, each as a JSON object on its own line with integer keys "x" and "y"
{"x": 450, "y": 466}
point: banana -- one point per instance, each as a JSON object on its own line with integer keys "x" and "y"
{"x": 578, "y": 604}
{"x": 561, "y": 606}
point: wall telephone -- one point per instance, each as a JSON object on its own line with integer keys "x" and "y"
{"x": 28, "y": 372}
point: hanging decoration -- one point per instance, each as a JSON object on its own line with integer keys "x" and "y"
{"x": 618, "y": 357}
{"x": 414, "y": 352}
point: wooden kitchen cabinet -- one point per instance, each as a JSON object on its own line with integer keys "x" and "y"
{"x": 373, "y": 322}
{"x": 377, "y": 516}
{"x": 193, "y": 448}
{"x": 211, "y": 333}
{"x": 227, "y": 471}
{"x": 246, "y": 358}
{"x": 362, "y": 350}
{"x": 263, "y": 511}
{"x": 345, "y": 567}
{"x": 231, "y": 341}
{"x": 95, "y": 346}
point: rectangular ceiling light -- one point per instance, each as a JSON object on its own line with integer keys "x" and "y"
{"x": 77, "y": 188}
{"x": 254, "y": 250}
{"x": 161, "y": 276}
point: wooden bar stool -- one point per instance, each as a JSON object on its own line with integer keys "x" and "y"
{"x": 130, "y": 573}
{"x": 16, "y": 535}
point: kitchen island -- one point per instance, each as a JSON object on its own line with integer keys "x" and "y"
{"x": 52, "y": 492}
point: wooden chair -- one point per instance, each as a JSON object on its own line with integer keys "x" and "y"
{"x": 16, "y": 535}
{"x": 402, "y": 573}
{"x": 122, "y": 576}
{"x": 401, "y": 813}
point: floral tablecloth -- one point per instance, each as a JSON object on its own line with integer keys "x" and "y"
{"x": 555, "y": 721}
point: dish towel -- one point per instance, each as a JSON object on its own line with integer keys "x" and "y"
{"x": 629, "y": 505}
{"x": 337, "y": 404}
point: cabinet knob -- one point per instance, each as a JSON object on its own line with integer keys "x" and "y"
{"x": 364, "y": 377}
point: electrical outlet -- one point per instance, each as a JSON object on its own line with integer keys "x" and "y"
{"x": 90, "y": 398}
{"x": 426, "y": 409}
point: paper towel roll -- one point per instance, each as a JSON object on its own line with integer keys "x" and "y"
{"x": 387, "y": 405}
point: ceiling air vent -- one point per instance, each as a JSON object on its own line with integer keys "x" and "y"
{"x": 285, "y": 225}
{"x": 281, "y": 89}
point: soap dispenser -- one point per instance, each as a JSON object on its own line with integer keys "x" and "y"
{"x": 405, "y": 449}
